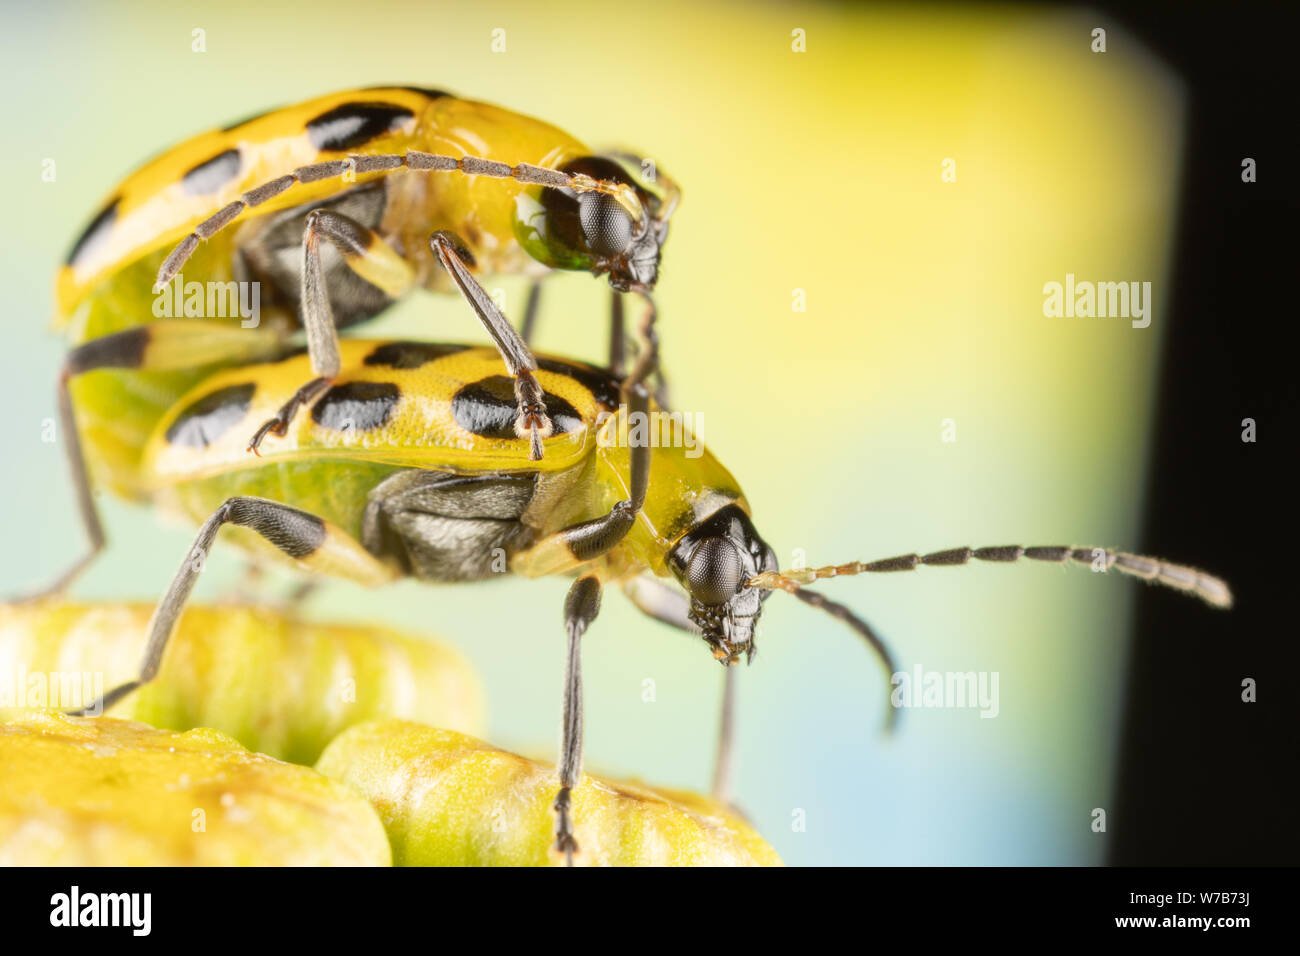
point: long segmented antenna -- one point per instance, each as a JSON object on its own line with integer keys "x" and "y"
{"x": 1213, "y": 591}
{"x": 358, "y": 165}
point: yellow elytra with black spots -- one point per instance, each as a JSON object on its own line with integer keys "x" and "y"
{"x": 424, "y": 408}
{"x": 106, "y": 284}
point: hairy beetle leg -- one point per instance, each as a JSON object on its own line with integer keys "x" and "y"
{"x": 532, "y": 421}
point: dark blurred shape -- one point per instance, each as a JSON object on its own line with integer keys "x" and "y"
{"x": 1203, "y": 776}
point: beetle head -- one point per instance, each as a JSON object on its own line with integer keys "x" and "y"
{"x": 714, "y": 562}
{"x": 620, "y": 236}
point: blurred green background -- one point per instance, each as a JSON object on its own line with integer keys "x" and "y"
{"x": 818, "y": 171}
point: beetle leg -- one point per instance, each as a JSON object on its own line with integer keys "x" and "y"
{"x": 722, "y": 760}
{"x": 588, "y": 540}
{"x": 532, "y": 421}
{"x": 529, "y": 325}
{"x": 364, "y": 252}
{"x": 647, "y": 360}
{"x": 156, "y": 346}
{"x": 313, "y": 542}
{"x": 650, "y": 347}
{"x": 617, "y": 334}
{"x": 580, "y": 608}
{"x": 279, "y": 423}
{"x": 85, "y": 495}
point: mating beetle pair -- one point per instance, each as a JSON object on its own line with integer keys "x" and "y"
{"x": 335, "y": 208}
{"x": 409, "y": 458}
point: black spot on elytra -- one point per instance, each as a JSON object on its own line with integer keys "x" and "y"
{"x": 356, "y": 405}
{"x": 603, "y": 386}
{"x": 489, "y": 408}
{"x": 209, "y": 176}
{"x": 409, "y": 355}
{"x": 123, "y": 349}
{"x": 353, "y": 124}
{"x": 95, "y": 233}
{"x": 211, "y": 416}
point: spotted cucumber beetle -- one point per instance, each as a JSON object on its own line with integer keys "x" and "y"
{"x": 335, "y": 208}
{"x": 408, "y": 465}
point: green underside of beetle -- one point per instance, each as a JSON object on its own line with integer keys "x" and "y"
{"x": 334, "y": 490}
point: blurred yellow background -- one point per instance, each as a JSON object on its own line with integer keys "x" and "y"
{"x": 818, "y": 171}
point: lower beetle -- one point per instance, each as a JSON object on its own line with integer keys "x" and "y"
{"x": 409, "y": 465}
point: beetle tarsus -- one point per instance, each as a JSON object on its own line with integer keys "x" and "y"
{"x": 564, "y": 840}
{"x": 278, "y": 425}
{"x": 532, "y": 422}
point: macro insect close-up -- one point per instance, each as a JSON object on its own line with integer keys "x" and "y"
{"x": 333, "y": 456}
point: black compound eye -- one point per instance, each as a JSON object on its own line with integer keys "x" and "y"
{"x": 714, "y": 573}
{"x": 605, "y": 224}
